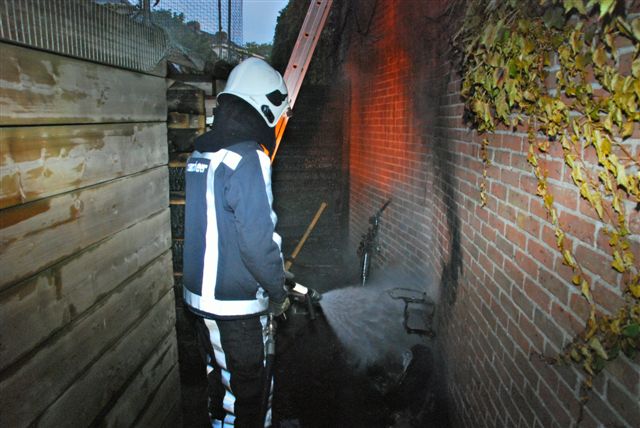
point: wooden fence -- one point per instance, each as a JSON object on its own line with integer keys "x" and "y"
{"x": 87, "y": 317}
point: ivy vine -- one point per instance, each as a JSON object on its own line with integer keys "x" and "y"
{"x": 553, "y": 68}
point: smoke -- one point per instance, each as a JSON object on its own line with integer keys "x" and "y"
{"x": 370, "y": 324}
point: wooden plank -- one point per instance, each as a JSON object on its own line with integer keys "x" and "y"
{"x": 147, "y": 353}
{"x": 41, "y": 161}
{"x": 30, "y": 387}
{"x": 40, "y": 306}
{"x": 131, "y": 401}
{"x": 185, "y": 121}
{"x": 183, "y": 98}
{"x": 39, "y": 88}
{"x": 38, "y": 234}
{"x": 160, "y": 413}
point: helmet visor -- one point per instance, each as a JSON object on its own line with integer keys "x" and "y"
{"x": 276, "y": 97}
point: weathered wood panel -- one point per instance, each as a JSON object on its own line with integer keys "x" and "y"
{"x": 163, "y": 410}
{"x": 132, "y": 400}
{"x": 146, "y": 351}
{"x": 38, "y": 307}
{"x": 35, "y": 235}
{"x": 38, "y": 88}
{"x": 28, "y": 389}
{"x": 42, "y": 161}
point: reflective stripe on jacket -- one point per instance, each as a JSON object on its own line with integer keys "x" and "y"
{"x": 232, "y": 259}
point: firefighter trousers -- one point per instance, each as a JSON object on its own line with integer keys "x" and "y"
{"x": 235, "y": 370}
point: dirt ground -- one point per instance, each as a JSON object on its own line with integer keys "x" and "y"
{"x": 316, "y": 387}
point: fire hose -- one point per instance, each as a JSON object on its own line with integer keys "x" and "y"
{"x": 297, "y": 293}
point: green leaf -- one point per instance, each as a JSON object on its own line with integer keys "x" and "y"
{"x": 635, "y": 28}
{"x": 631, "y": 330}
{"x": 606, "y": 7}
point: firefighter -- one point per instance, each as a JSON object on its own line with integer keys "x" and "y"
{"x": 233, "y": 266}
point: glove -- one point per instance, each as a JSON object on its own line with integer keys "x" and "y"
{"x": 314, "y": 295}
{"x": 289, "y": 279}
{"x": 278, "y": 308}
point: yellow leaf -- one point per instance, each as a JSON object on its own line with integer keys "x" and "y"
{"x": 615, "y": 203}
{"x": 621, "y": 176}
{"x": 628, "y": 258}
{"x": 548, "y": 200}
{"x": 576, "y": 174}
{"x": 635, "y": 290}
{"x": 600, "y": 57}
{"x": 560, "y": 241}
{"x": 575, "y": 356}
{"x": 584, "y": 191}
{"x": 627, "y": 129}
{"x": 635, "y": 28}
{"x": 569, "y": 160}
{"x": 617, "y": 263}
{"x": 596, "y": 201}
{"x": 568, "y": 258}
{"x": 595, "y": 344}
{"x": 586, "y": 291}
{"x": 576, "y": 279}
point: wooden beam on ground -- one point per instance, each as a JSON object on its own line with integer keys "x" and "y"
{"x": 42, "y": 161}
{"x": 39, "y": 88}
{"x": 35, "y": 309}
{"x": 36, "y": 235}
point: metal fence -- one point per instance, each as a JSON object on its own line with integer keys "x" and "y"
{"x": 113, "y": 33}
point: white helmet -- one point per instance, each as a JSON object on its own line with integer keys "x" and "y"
{"x": 260, "y": 85}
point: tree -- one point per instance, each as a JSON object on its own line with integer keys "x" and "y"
{"x": 261, "y": 49}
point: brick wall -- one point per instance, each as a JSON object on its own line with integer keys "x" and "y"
{"x": 306, "y": 172}
{"x": 504, "y": 294}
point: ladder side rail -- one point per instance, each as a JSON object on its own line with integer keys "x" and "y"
{"x": 308, "y": 37}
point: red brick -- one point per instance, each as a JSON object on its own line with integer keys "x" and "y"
{"x": 539, "y": 210}
{"x": 602, "y": 411}
{"x": 610, "y": 300}
{"x": 555, "y": 407}
{"x": 528, "y": 223}
{"x": 578, "y": 227}
{"x": 541, "y": 253}
{"x": 518, "y": 199}
{"x": 499, "y": 312}
{"x": 512, "y": 142}
{"x": 554, "y": 285}
{"x": 536, "y": 293}
{"x": 597, "y": 263}
{"x": 532, "y": 333}
{"x": 585, "y": 208}
{"x": 553, "y": 167}
{"x": 579, "y": 306}
{"x": 564, "y": 196}
{"x": 548, "y": 327}
{"x": 566, "y": 319}
{"x": 515, "y": 236}
{"x": 626, "y": 372}
{"x": 510, "y": 178}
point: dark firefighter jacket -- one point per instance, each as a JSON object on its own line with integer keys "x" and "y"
{"x": 232, "y": 258}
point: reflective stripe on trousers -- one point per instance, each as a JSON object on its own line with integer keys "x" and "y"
{"x": 237, "y": 370}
